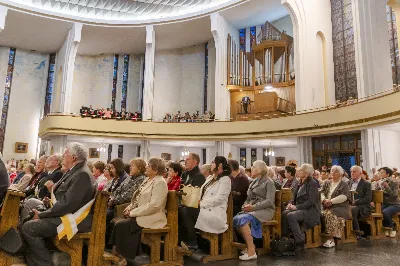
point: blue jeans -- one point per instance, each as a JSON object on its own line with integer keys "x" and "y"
{"x": 388, "y": 211}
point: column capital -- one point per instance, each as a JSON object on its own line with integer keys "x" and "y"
{"x": 3, "y": 15}
{"x": 393, "y": 3}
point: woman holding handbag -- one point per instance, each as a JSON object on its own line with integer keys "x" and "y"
{"x": 213, "y": 201}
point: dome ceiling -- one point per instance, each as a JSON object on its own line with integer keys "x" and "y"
{"x": 120, "y": 9}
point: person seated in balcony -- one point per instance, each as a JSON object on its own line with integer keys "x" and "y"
{"x": 123, "y": 114}
{"x": 361, "y": 200}
{"x": 213, "y": 201}
{"x": 174, "y": 176}
{"x": 147, "y": 210}
{"x": 303, "y": 209}
{"x": 22, "y": 184}
{"x": 290, "y": 180}
{"x": 107, "y": 113}
{"x": 391, "y": 202}
{"x": 240, "y": 185}
{"x": 206, "y": 116}
{"x": 335, "y": 199}
{"x": 258, "y": 208}
{"x": 167, "y": 117}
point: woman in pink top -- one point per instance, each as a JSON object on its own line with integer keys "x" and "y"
{"x": 105, "y": 184}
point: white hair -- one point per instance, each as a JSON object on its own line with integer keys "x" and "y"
{"x": 79, "y": 151}
{"x": 242, "y": 170}
{"x": 337, "y": 168}
{"x": 271, "y": 173}
{"x": 307, "y": 168}
{"x": 261, "y": 166}
{"x": 356, "y": 168}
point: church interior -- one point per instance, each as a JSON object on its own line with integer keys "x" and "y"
{"x": 283, "y": 83}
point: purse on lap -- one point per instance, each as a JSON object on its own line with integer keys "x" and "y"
{"x": 191, "y": 199}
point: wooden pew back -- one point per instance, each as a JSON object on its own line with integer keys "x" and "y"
{"x": 9, "y": 219}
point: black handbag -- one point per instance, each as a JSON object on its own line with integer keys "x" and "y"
{"x": 11, "y": 242}
{"x": 283, "y": 247}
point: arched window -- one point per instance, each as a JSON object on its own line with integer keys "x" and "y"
{"x": 394, "y": 45}
{"x": 344, "y": 50}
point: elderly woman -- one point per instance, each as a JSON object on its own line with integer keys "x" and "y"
{"x": 213, "y": 201}
{"x": 258, "y": 208}
{"x": 206, "y": 170}
{"x": 106, "y": 183}
{"x": 29, "y": 171}
{"x": 335, "y": 199}
{"x": 147, "y": 210}
{"x": 271, "y": 174}
{"x": 303, "y": 209}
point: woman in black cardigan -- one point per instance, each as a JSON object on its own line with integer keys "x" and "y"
{"x": 303, "y": 209}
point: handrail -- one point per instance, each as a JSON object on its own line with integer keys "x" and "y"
{"x": 395, "y": 89}
{"x": 285, "y": 106}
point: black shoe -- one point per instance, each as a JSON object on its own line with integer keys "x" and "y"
{"x": 190, "y": 248}
{"x": 300, "y": 246}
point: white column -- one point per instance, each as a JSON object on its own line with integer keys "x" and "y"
{"x": 223, "y": 148}
{"x": 304, "y": 145}
{"x": 3, "y": 15}
{"x": 148, "y": 91}
{"x": 220, "y": 30}
{"x": 58, "y": 144}
{"x": 65, "y": 66}
{"x": 145, "y": 149}
{"x": 374, "y": 71}
{"x": 371, "y": 149}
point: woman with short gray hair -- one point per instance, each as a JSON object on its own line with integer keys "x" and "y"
{"x": 258, "y": 208}
{"x": 303, "y": 208}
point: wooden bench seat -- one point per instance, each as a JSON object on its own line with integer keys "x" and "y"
{"x": 9, "y": 219}
{"x": 375, "y": 220}
{"x": 348, "y": 235}
{"x": 94, "y": 239}
{"x": 225, "y": 251}
{"x": 313, "y": 237}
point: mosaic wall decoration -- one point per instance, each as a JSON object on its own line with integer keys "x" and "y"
{"x": 125, "y": 81}
{"x": 114, "y": 87}
{"x": 50, "y": 84}
{"x": 120, "y": 151}
{"x": 109, "y": 151}
{"x": 7, "y": 95}
{"x": 344, "y": 50}
{"x": 253, "y": 155}
{"x": 242, "y": 39}
{"x": 205, "y": 79}
{"x": 394, "y": 45}
{"x": 253, "y": 35}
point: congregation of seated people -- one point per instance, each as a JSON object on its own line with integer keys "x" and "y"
{"x": 108, "y": 113}
{"x": 59, "y": 185}
{"x": 208, "y": 116}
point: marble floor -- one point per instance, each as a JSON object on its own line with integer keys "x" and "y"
{"x": 384, "y": 252}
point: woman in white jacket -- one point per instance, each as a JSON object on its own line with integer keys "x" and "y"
{"x": 214, "y": 197}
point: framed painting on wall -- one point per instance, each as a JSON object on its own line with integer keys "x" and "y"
{"x": 21, "y": 147}
{"x": 94, "y": 153}
{"x": 280, "y": 161}
{"x": 166, "y": 156}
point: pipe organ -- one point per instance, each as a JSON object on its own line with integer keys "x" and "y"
{"x": 269, "y": 64}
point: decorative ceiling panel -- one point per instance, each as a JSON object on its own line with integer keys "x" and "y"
{"x": 122, "y": 9}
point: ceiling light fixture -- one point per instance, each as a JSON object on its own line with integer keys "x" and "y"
{"x": 270, "y": 151}
{"x": 185, "y": 151}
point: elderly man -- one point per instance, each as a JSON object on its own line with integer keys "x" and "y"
{"x": 361, "y": 203}
{"x": 73, "y": 191}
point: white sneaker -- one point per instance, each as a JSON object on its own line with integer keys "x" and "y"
{"x": 392, "y": 234}
{"x": 386, "y": 233}
{"x": 247, "y": 257}
{"x": 243, "y": 252}
{"x": 329, "y": 244}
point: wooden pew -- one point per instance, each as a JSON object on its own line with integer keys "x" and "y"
{"x": 154, "y": 238}
{"x": 376, "y": 218}
{"x": 94, "y": 239}
{"x": 226, "y": 252}
{"x": 9, "y": 219}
